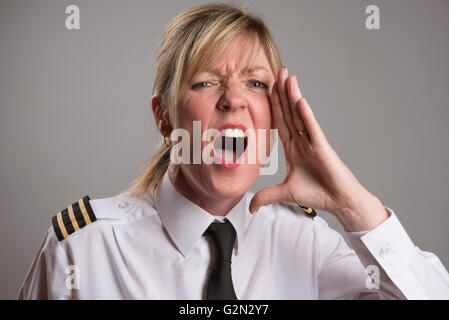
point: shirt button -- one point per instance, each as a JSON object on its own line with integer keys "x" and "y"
{"x": 383, "y": 252}
{"x": 123, "y": 205}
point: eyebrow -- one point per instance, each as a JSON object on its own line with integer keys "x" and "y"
{"x": 249, "y": 70}
{"x": 246, "y": 70}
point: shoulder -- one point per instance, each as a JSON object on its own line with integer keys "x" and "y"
{"x": 290, "y": 224}
{"x": 286, "y": 210}
{"x": 88, "y": 214}
{"x": 287, "y": 219}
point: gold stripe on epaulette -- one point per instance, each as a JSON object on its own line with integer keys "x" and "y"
{"x": 84, "y": 211}
{"x": 72, "y": 218}
{"x": 61, "y": 225}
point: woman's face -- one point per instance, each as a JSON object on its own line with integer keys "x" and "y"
{"x": 228, "y": 94}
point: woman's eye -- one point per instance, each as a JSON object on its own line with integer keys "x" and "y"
{"x": 253, "y": 83}
{"x": 258, "y": 84}
{"x": 201, "y": 84}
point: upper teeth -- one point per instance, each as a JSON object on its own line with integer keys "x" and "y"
{"x": 233, "y": 133}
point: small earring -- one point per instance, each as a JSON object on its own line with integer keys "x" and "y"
{"x": 165, "y": 141}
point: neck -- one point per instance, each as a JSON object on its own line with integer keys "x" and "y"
{"x": 217, "y": 206}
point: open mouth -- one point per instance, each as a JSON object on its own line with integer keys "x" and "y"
{"x": 230, "y": 145}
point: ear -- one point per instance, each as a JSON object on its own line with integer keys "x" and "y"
{"x": 161, "y": 116}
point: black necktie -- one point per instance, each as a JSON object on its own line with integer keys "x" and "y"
{"x": 220, "y": 285}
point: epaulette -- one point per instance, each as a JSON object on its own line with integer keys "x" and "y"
{"x": 73, "y": 218}
{"x": 308, "y": 211}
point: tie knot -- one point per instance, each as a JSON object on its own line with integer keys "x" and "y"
{"x": 223, "y": 237}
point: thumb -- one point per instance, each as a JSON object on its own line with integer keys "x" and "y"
{"x": 267, "y": 196}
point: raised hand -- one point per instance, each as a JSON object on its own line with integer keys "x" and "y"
{"x": 316, "y": 177}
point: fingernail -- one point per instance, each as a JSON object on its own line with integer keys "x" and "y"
{"x": 286, "y": 70}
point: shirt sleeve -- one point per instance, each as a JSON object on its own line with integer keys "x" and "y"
{"x": 385, "y": 264}
{"x": 417, "y": 274}
{"x": 47, "y": 275}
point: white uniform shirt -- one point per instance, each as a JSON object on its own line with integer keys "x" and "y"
{"x": 143, "y": 250}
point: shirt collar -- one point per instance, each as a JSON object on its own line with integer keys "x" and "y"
{"x": 186, "y": 222}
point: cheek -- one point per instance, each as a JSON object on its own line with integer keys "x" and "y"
{"x": 194, "y": 108}
{"x": 262, "y": 115}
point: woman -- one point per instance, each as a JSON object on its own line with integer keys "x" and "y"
{"x": 176, "y": 231}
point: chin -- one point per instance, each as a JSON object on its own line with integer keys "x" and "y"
{"x": 235, "y": 184}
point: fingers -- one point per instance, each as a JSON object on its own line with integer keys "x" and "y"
{"x": 294, "y": 94}
{"x": 267, "y": 196}
{"x": 285, "y": 104}
{"x": 296, "y": 113}
{"x": 316, "y": 135}
{"x": 278, "y": 116}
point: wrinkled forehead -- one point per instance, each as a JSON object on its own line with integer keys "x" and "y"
{"x": 241, "y": 54}
{"x": 244, "y": 54}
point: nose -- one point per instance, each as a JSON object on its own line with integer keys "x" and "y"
{"x": 232, "y": 100}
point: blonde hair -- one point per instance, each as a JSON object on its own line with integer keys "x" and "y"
{"x": 189, "y": 42}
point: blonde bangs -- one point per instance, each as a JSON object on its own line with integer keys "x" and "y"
{"x": 214, "y": 44}
{"x": 204, "y": 57}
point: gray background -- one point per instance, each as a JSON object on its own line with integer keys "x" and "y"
{"x": 75, "y": 116}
